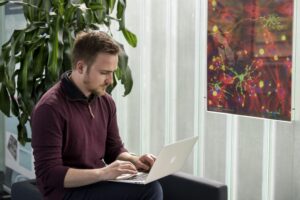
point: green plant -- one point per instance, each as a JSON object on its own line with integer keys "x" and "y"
{"x": 42, "y": 50}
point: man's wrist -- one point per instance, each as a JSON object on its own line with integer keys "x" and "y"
{"x": 128, "y": 156}
{"x": 133, "y": 154}
{"x": 133, "y": 158}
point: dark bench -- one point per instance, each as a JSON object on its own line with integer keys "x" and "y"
{"x": 179, "y": 186}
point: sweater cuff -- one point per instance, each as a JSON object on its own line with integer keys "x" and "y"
{"x": 58, "y": 176}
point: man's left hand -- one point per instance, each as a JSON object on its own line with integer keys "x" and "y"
{"x": 144, "y": 162}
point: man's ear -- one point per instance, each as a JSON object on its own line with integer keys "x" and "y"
{"x": 80, "y": 65}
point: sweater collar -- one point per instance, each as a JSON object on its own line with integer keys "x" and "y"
{"x": 72, "y": 91}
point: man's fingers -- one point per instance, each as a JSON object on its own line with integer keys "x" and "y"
{"x": 123, "y": 166}
{"x": 127, "y": 171}
{"x": 143, "y": 166}
{"x": 128, "y": 165}
{"x": 148, "y": 159}
{"x": 153, "y": 157}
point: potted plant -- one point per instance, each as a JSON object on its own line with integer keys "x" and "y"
{"x": 33, "y": 59}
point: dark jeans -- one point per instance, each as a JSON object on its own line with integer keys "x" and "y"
{"x": 116, "y": 191}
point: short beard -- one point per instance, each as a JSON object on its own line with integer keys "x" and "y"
{"x": 96, "y": 93}
{"x": 86, "y": 82}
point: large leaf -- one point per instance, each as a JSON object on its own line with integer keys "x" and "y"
{"x": 67, "y": 48}
{"x": 14, "y": 106}
{"x": 2, "y": 71}
{"x": 28, "y": 11}
{"x": 3, "y": 2}
{"x": 17, "y": 41}
{"x": 54, "y": 43}
{"x": 5, "y": 53}
{"x": 22, "y": 131}
{"x": 4, "y": 100}
{"x": 130, "y": 37}
{"x": 99, "y": 11}
{"x": 111, "y": 4}
{"x": 39, "y": 88}
{"x": 40, "y": 15}
{"x": 27, "y": 61}
{"x": 39, "y": 61}
{"x": 124, "y": 72}
{"x": 86, "y": 15}
{"x": 69, "y": 15}
{"x": 10, "y": 84}
{"x": 46, "y": 6}
{"x": 126, "y": 80}
{"x": 110, "y": 88}
{"x": 121, "y": 6}
{"x": 80, "y": 21}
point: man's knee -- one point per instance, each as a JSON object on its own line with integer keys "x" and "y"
{"x": 154, "y": 191}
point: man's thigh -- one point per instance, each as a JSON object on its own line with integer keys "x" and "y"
{"x": 117, "y": 191}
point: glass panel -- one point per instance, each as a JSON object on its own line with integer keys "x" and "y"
{"x": 185, "y": 74}
{"x": 296, "y": 162}
{"x": 283, "y": 161}
{"x": 250, "y": 158}
{"x": 158, "y": 33}
{"x": 215, "y": 147}
{"x": 131, "y": 115}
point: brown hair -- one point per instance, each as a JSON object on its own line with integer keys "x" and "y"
{"x": 88, "y": 45}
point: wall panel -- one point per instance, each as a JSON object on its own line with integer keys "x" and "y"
{"x": 215, "y": 146}
{"x": 250, "y": 158}
{"x": 185, "y": 75}
{"x": 283, "y": 161}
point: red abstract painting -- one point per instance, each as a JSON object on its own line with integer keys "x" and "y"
{"x": 249, "y": 57}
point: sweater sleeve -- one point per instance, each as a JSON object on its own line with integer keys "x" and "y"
{"x": 114, "y": 144}
{"x": 47, "y": 134}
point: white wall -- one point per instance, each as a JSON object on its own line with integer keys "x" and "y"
{"x": 257, "y": 158}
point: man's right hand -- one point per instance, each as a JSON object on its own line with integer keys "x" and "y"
{"x": 117, "y": 168}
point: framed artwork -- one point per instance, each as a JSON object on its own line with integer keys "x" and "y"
{"x": 249, "y": 57}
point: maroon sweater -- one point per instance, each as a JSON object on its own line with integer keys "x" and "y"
{"x": 70, "y": 130}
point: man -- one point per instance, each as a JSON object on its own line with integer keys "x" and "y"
{"x": 75, "y": 137}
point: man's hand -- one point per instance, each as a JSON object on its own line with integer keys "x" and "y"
{"x": 144, "y": 162}
{"x": 141, "y": 163}
{"x": 118, "y": 168}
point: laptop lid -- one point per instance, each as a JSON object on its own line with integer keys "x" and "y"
{"x": 171, "y": 159}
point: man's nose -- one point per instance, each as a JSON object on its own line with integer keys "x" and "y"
{"x": 110, "y": 78}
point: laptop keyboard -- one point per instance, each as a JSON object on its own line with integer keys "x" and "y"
{"x": 139, "y": 177}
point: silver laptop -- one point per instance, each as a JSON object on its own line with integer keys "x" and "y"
{"x": 170, "y": 160}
